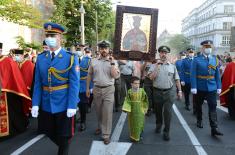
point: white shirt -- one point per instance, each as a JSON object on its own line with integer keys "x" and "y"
{"x": 56, "y": 52}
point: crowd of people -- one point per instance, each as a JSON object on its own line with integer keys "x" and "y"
{"x": 57, "y": 84}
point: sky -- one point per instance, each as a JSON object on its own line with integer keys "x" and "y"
{"x": 170, "y": 12}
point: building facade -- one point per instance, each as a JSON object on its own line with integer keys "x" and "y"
{"x": 212, "y": 20}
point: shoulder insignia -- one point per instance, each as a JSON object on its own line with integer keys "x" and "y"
{"x": 60, "y": 56}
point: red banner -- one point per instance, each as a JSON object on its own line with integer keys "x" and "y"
{"x": 4, "y": 119}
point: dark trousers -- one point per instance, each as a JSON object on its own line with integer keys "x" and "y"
{"x": 148, "y": 87}
{"x": 187, "y": 89}
{"x": 231, "y": 103}
{"x": 83, "y": 106}
{"x": 58, "y": 127}
{"x": 125, "y": 86}
{"x": 163, "y": 101}
{"x": 210, "y": 97}
{"x": 117, "y": 92}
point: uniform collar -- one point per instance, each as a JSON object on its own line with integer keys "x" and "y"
{"x": 56, "y": 52}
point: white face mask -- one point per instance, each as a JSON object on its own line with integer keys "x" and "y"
{"x": 208, "y": 51}
{"x": 79, "y": 53}
{"x": 191, "y": 55}
{"x": 18, "y": 58}
{"x": 51, "y": 42}
{"x": 182, "y": 57}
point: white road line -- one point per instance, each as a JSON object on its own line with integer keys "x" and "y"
{"x": 118, "y": 129}
{"x": 28, "y": 144}
{"x": 190, "y": 133}
{"x": 221, "y": 108}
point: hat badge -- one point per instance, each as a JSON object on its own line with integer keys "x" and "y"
{"x": 49, "y": 27}
{"x": 164, "y": 48}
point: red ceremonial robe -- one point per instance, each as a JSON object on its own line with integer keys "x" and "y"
{"x": 12, "y": 82}
{"x": 227, "y": 83}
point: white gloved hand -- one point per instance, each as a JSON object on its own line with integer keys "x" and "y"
{"x": 71, "y": 112}
{"x": 182, "y": 83}
{"x": 218, "y": 91}
{"x": 194, "y": 91}
{"x": 34, "y": 111}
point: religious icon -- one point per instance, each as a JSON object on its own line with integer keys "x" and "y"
{"x": 135, "y": 33}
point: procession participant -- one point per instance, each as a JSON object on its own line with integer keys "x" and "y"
{"x": 15, "y": 99}
{"x": 185, "y": 81}
{"x": 56, "y": 89}
{"x": 136, "y": 105}
{"x": 206, "y": 84}
{"x": 227, "y": 96}
{"x": 84, "y": 101}
{"x": 164, "y": 76}
{"x": 103, "y": 70}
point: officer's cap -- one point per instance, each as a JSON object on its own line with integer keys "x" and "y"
{"x": 1, "y": 45}
{"x": 18, "y": 51}
{"x": 207, "y": 42}
{"x": 53, "y": 28}
{"x": 182, "y": 53}
{"x": 190, "y": 50}
{"x": 104, "y": 44}
{"x": 80, "y": 44}
{"x": 164, "y": 49}
{"x": 88, "y": 50}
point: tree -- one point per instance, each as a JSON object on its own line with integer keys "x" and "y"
{"x": 178, "y": 43}
{"x": 22, "y": 44}
{"x": 67, "y": 13}
{"x": 20, "y": 13}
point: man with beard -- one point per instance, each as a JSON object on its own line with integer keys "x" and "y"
{"x": 103, "y": 70}
{"x": 56, "y": 89}
{"x": 164, "y": 75}
{"x": 206, "y": 84}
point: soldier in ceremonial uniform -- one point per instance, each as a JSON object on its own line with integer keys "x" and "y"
{"x": 103, "y": 70}
{"x": 56, "y": 89}
{"x": 164, "y": 76}
{"x": 178, "y": 63}
{"x": 206, "y": 84}
{"x": 84, "y": 101}
{"x": 185, "y": 76}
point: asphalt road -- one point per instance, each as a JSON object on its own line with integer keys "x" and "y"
{"x": 186, "y": 138}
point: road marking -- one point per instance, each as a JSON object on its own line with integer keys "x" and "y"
{"x": 190, "y": 133}
{"x": 221, "y": 107}
{"x": 115, "y": 147}
{"x": 28, "y": 144}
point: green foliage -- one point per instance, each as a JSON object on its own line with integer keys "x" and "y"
{"x": 22, "y": 44}
{"x": 178, "y": 43}
{"x": 67, "y": 13}
{"x": 20, "y": 13}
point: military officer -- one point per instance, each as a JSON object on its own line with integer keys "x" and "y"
{"x": 164, "y": 76}
{"x": 185, "y": 76}
{"x": 56, "y": 89}
{"x": 84, "y": 101}
{"x": 178, "y": 63}
{"x": 206, "y": 84}
{"x": 103, "y": 70}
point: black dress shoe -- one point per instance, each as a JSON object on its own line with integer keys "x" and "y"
{"x": 187, "y": 108}
{"x": 199, "y": 124}
{"x": 158, "y": 129}
{"x": 82, "y": 127}
{"x": 166, "y": 137}
{"x": 215, "y": 132}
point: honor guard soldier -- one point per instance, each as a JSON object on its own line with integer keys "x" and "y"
{"x": 185, "y": 76}
{"x": 103, "y": 70}
{"x": 56, "y": 89}
{"x": 178, "y": 63}
{"x": 164, "y": 76}
{"x": 206, "y": 84}
{"x": 84, "y": 101}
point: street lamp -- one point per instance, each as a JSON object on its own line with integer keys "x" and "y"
{"x": 82, "y": 11}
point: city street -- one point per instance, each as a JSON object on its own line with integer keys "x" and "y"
{"x": 186, "y": 138}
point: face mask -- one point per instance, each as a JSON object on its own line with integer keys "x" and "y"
{"x": 191, "y": 55}
{"x": 18, "y": 58}
{"x": 208, "y": 51}
{"x": 51, "y": 42}
{"x": 182, "y": 57}
{"x": 79, "y": 53}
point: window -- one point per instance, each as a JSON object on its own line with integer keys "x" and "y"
{"x": 227, "y": 25}
{"x": 226, "y": 40}
{"x": 228, "y": 8}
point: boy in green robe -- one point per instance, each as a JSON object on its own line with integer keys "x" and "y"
{"x": 136, "y": 105}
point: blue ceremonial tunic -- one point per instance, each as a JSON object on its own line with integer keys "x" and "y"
{"x": 205, "y": 75}
{"x": 185, "y": 69}
{"x": 178, "y": 65}
{"x": 56, "y": 87}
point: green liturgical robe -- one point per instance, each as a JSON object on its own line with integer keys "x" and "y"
{"x": 136, "y": 105}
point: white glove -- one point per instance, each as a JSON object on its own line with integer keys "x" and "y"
{"x": 194, "y": 91}
{"x": 34, "y": 111}
{"x": 71, "y": 112}
{"x": 182, "y": 83}
{"x": 218, "y": 91}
